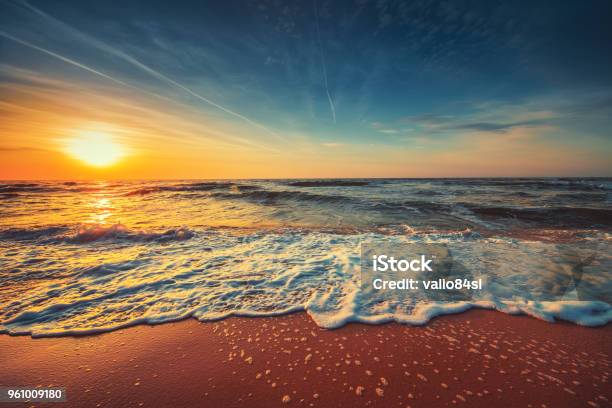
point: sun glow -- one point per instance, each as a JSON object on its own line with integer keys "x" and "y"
{"x": 96, "y": 149}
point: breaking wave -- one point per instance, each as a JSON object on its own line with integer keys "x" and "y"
{"x": 85, "y": 257}
{"x": 216, "y": 275}
{"x": 182, "y": 187}
{"x": 92, "y": 232}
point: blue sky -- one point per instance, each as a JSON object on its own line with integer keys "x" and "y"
{"x": 329, "y": 80}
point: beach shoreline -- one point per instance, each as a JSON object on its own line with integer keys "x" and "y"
{"x": 476, "y": 358}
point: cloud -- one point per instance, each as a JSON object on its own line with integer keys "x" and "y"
{"x": 332, "y": 145}
{"x": 382, "y": 128}
{"x": 493, "y": 126}
{"x": 62, "y": 58}
{"x": 553, "y": 110}
{"x": 488, "y": 122}
{"x": 43, "y": 105}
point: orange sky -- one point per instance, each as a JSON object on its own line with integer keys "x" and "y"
{"x": 164, "y": 138}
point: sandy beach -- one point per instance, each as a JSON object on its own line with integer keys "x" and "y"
{"x": 479, "y": 358}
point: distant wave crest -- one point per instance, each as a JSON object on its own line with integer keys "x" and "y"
{"x": 558, "y": 217}
{"x": 95, "y": 232}
{"x": 186, "y": 187}
{"x": 27, "y": 188}
{"x": 329, "y": 183}
{"x": 271, "y": 196}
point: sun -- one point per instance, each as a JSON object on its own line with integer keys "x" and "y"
{"x": 95, "y": 148}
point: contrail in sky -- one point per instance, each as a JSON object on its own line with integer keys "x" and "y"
{"x": 62, "y": 58}
{"x": 79, "y": 65}
{"x": 329, "y": 98}
{"x": 114, "y": 51}
{"x": 103, "y": 75}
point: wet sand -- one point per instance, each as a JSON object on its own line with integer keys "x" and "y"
{"x": 479, "y": 358}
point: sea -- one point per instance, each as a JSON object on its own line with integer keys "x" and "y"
{"x": 81, "y": 257}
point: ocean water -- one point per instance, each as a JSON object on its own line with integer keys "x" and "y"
{"x": 85, "y": 257}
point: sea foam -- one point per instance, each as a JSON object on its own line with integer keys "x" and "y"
{"x": 107, "y": 284}
{"x": 85, "y": 257}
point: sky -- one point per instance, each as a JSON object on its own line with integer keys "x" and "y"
{"x": 277, "y": 89}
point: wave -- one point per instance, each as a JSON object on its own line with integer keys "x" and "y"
{"x": 96, "y": 232}
{"x": 427, "y": 193}
{"x": 144, "y": 191}
{"x": 561, "y": 217}
{"x": 272, "y": 196}
{"x": 267, "y": 275}
{"x": 519, "y": 194}
{"x": 535, "y": 184}
{"x": 583, "y": 313}
{"x": 280, "y": 248}
{"x": 27, "y": 188}
{"x": 425, "y": 207}
{"x": 87, "y": 233}
{"x": 582, "y": 196}
{"x": 329, "y": 183}
{"x": 31, "y": 234}
{"x": 204, "y": 186}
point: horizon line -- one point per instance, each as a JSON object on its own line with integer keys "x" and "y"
{"x": 312, "y": 178}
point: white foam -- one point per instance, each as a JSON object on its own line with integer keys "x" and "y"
{"x": 256, "y": 274}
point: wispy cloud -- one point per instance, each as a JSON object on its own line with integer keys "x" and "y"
{"x": 332, "y": 145}
{"x": 440, "y": 123}
{"x": 128, "y": 58}
{"x": 498, "y": 118}
{"x": 66, "y": 105}
{"x": 386, "y": 129}
{"x": 389, "y": 131}
{"x": 62, "y": 58}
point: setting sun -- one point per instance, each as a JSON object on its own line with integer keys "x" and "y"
{"x": 95, "y": 149}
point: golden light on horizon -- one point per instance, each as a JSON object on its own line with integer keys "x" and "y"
{"x": 95, "y": 148}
